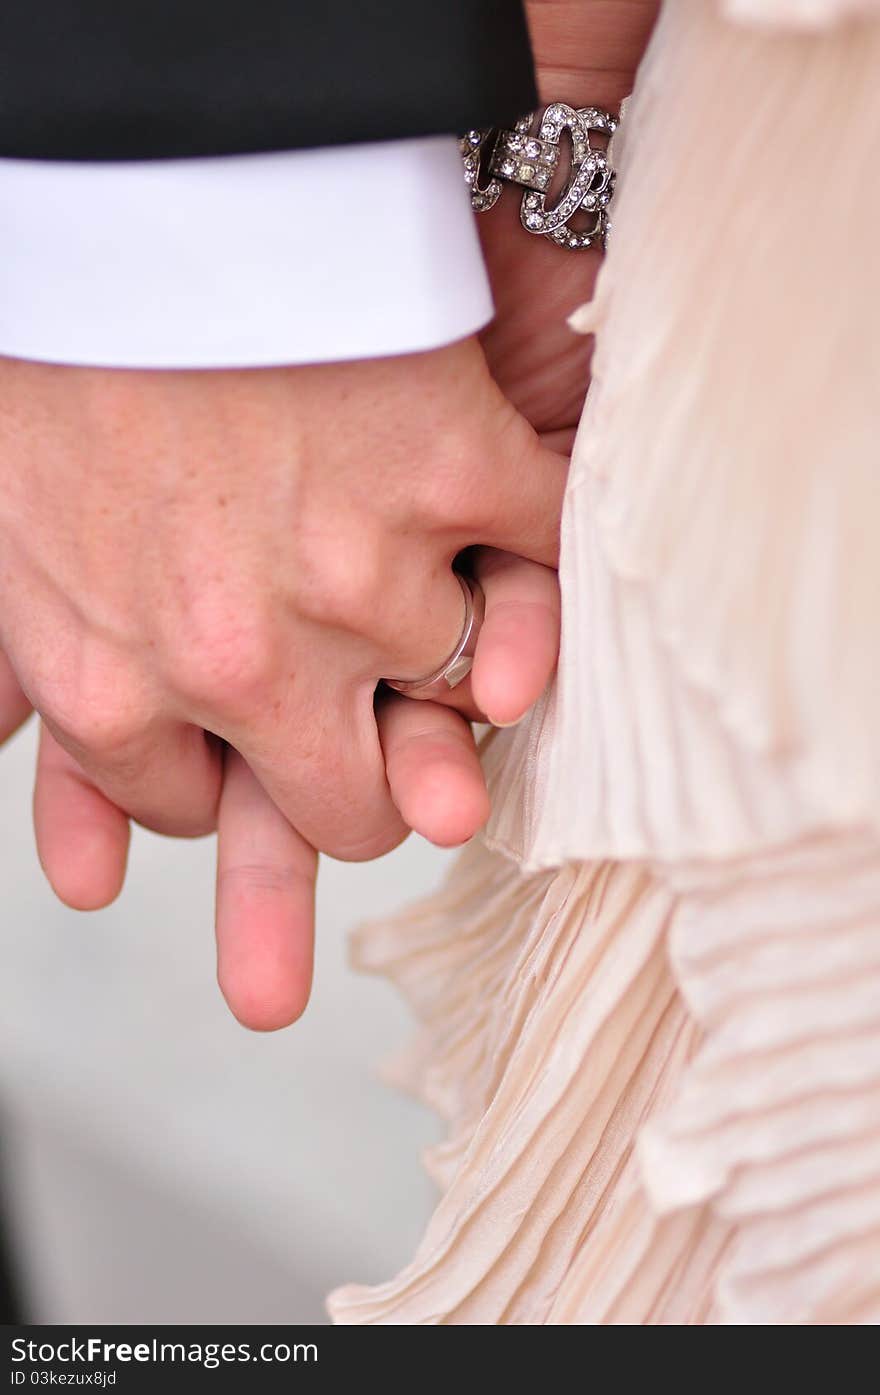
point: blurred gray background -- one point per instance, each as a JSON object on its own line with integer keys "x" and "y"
{"x": 161, "y": 1164}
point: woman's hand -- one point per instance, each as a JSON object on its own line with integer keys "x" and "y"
{"x": 586, "y": 54}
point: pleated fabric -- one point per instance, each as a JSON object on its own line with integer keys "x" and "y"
{"x": 649, "y": 998}
{"x": 549, "y": 1021}
{"x": 776, "y": 1123}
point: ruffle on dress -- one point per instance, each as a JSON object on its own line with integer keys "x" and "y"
{"x": 663, "y": 1093}
{"x": 649, "y": 1000}
{"x": 719, "y": 684}
{"x": 549, "y": 1020}
{"x": 800, "y": 14}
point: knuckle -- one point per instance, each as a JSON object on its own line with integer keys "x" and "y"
{"x": 373, "y": 845}
{"x": 96, "y": 715}
{"x": 449, "y": 492}
{"x": 222, "y": 659}
{"x": 339, "y": 583}
{"x": 108, "y": 732}
{"x": 256, "y": 881}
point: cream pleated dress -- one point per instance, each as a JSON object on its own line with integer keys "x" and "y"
{"x": 649, "y": 999}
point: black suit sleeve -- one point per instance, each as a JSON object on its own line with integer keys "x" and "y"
{"x": 141, "y": 79}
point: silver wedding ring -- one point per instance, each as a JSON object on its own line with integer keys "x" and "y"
{"x": 457, "y": 667}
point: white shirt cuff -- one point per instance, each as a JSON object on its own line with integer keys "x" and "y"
{"x": 305, "y": 256}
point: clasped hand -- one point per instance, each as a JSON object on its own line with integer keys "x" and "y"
{"x": 205, "y": 576}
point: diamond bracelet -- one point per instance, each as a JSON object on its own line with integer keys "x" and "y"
{"x": 531, "y": 159}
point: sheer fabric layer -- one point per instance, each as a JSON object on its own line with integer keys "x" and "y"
{"x": 719, "y": 686}
{"x": 659, "y": 1050}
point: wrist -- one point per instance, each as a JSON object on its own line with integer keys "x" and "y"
{"x": 587, "y": 51}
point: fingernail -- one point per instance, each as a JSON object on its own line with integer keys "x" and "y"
{"x": 503, "y": 725}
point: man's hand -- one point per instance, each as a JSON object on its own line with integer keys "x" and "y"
{"x": 266, "y": 870}
{"x": 14, "y": 706}
{"x": 246, "y": 554}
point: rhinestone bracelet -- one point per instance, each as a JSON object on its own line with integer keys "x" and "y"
{"x": 531, "y": 159}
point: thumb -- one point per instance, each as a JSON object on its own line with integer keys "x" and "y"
{"x": 528, "y": 476}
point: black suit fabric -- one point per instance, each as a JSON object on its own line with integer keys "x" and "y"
{"x": 148, "y": 79}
